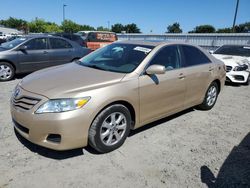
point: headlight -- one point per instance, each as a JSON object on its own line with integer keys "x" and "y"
{"x": 241, "y": 68}
{"x": 62, "y": 105}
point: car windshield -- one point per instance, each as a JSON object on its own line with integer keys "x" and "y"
{"x": 117, "y": 57}
{"x": 13, "y": 43}
{"x": 234, "y": 50}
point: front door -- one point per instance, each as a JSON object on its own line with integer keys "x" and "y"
{"x": 35, "y": 56}
{"x": 162, "y": 94}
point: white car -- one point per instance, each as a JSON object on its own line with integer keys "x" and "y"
{"x": 237, "y": 61}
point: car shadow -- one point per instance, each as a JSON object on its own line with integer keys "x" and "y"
{"x": 60, "y": 155}
{"x": 158, "y": 122}
{"x": 20, "y": 76}
{"x": 233, "y": 84}
{"x": 235, "y": 171}
{"x": 49, "y": 153}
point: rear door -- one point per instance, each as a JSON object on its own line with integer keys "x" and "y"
{"x": 198, "y": 74}
{"x": 162, "y": 94}
{"x": 61, "y": 51}
{"x": 36, "y": 55}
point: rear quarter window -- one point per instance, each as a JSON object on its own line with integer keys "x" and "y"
{"x": 193, "y": 56}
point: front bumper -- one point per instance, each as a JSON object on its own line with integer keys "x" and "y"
{"x": 69, "y": 129}
{"x": 237, "y": 76}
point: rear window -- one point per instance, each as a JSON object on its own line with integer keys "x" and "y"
{"x": 234, "y": 50}
{"x": 59, "y": 43}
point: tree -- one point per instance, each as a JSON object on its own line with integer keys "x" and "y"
{"x": 203, "y": 29}
{"x": 117, "y": 28}
{"x": 174, "y": 28}
{"x": 243, "y": 28}
{"x": 14, "y": 23}
{"x": 224, "y": 30}
{"x": 69, "y": 26}
{"x": 132, "y": 28}
{"x": 101, "y": 28}
{"x": 41, "y": 26}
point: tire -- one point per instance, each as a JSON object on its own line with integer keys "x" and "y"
{"x": 110, "y": 128}
{"x": 7, "y": 71}
{"x": 210, "y": 97}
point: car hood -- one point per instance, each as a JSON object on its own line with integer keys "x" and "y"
{"x": 233, "y": 60}
{"x": 66, "y": 80}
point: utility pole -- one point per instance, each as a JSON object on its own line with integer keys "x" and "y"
{"x": 64, "y": 11}
{"x": 235, "y": 14}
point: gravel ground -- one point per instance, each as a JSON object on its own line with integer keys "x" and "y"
{"x": 191, "y": 149}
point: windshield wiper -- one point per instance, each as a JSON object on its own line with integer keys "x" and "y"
{"x": 95, "y": 67}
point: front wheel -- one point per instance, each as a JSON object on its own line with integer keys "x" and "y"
{"x": 110, "y": 128}
{"x": 6, "y": 71}
{"x": 210, "y": 97}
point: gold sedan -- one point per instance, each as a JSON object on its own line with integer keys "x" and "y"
{"x": 125, "y": 85}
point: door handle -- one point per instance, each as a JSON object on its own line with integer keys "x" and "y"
{"x": 181, "y": 76}
{"x": 45, "y": 52}
{"x": 211, "y": 68}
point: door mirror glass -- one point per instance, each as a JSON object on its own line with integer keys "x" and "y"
{"x": 156, "y": 69}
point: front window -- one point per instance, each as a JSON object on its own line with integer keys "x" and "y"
{"x": 234, "y": 50}
{"x": 123, "y": 58}
{"x": 13, "y": 43}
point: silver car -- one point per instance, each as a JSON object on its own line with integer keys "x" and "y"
{"x": 31, "y": 53}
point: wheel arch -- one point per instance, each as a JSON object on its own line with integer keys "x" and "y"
{"x": 10, "y": 62}
{"x": 127, "y": 105}
{"x": 217, "y": 81}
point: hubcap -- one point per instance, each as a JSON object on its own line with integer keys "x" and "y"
{"x": 113, "y": 128}
{"x": 211, "y": 95}
{"x": 5, "y": 72}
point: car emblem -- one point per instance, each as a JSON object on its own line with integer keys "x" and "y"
{"x": 17, "y": 92}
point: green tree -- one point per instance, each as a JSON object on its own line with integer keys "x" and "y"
{"x": 203, "y": 29}
{"x": 14, "y": 23}
{"x": 243, "y": 28}
{"x": 86, "y": 28}
{"x": 117, "y": 28}
{"x": 69, "y": 26}
{"x": 132, "y": 28}
{"x": 174, "y": 28}
{"x": 101, "y": 28}
{"x": 224, "y": 30}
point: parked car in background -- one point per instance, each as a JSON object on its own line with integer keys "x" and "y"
{"x": 31, "y": 53}
{"x": 237, "y": 61}
{"x": 119, "y": 87}
{"x": 97, "y": 39}
{"x": 74, "y": 37}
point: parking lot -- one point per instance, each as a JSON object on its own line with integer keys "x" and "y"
{"x": 184, "y": 150}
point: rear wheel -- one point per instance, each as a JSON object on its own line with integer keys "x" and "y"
{"x": 6, "y": 71}
{"x": 210, "y": 97}
{"x": 110, "y": 128}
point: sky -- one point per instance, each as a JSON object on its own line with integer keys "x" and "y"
{"x": 149, "y": 15}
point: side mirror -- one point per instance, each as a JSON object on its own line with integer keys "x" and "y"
{"x": 156, "y": 69}
{"x": 211, "y": 51}
{"x": 22, "y": 48}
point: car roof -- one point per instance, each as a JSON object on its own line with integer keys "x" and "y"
{"x": 97, "y": 32}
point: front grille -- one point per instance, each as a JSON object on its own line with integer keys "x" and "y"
{"x": 229, "y": 68}
{"x": 25, "y": 103}
{"x": 239, "y": 77}
{"x": 20, "y": 127}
